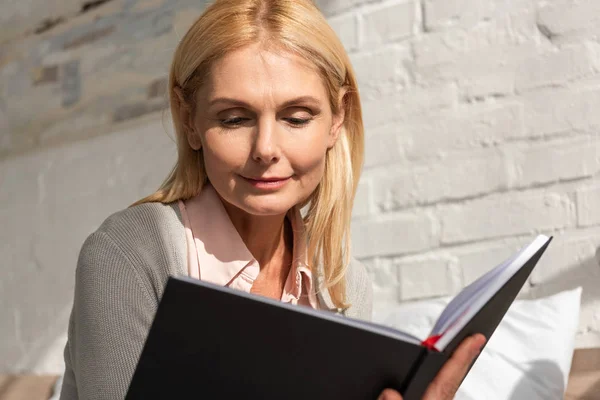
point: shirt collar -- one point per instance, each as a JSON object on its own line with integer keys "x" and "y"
{"x": 218, "y": 243}
{"x": 220, "y": 246}
{"x": 299, "y": 280}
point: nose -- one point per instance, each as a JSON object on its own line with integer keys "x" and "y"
{"x": 265, "y": 149}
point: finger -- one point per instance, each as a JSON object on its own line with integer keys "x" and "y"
{"x": 389, "y": 394}
{"x": 446, "y": 383}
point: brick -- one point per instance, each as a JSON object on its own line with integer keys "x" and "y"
{"x": 346, "y": 27}
{"x": 471, "y": 128}
{"x": 384, "y": 277}
{"x": 332, "y": 7}
{"x": 393, "y": 234}
{"x": 382, "y": 71}
{"x": 505, "y": 215}
{"x": 423, "y": 277}
{"x": 442, "y": 14}
{"x": 562, "y": 17}
{"x": 452, "y": 178}
{"x": 559, "y": 66}
{"x": 553, "y": 111}
{"x": 478, "y": 72}
{"x": 382, "y": 146}
{"x": 519, "y": 20}
{"x": 389, "y": 23}
{"x": 588, "y": 206}
{"x": 89, "y": 37}
{"x": 553, "y": 161}
{"x": 452, "y": 45}
{"x": 408, "y": 103}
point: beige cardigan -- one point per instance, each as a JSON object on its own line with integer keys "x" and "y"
{"x": 121, "y": 273}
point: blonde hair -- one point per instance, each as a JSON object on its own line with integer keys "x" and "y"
{"x": 295, "y": 26}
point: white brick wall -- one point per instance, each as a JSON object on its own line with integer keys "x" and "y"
{"x": 51, "y": 200}
{"x": 482, "y": 130}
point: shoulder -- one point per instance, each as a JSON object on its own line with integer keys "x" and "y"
{"x": 148, "y": 239}
{"x": 144, "y": 225}
{"x": 357, "y": 275}
{"x": 136, "y": 220}
{"x": 359, "y": 291}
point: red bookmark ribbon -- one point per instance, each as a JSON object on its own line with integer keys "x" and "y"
{"x": 430, "y": 342}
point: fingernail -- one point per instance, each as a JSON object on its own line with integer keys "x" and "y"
{"x": 385, "y": 395}
{"x": 482, "y": 339}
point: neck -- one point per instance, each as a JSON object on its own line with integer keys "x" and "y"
{"x": 266, "y": 237}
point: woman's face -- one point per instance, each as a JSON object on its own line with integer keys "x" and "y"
{"x": 264, "y": 124}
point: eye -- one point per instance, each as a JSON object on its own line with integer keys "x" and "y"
{"x": 233, "y": 122}
{"x": 298, "y": 117}
{"x": 298, "y": 121}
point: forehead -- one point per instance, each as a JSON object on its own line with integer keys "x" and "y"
{"x": 257, "y": 75}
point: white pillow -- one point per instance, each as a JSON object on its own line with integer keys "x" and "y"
{"x": 528, "y": 356}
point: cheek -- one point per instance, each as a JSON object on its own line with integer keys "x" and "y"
{"x": 308, "y": 163}
{"x": 222, "y": 153}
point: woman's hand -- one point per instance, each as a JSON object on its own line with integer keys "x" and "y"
{"x": 447, "y": 381}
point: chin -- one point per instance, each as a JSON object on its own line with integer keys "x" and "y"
{"x": 265, "y": 205}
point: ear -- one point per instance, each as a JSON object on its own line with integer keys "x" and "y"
{"x": 187, "y": 119}
{"x": 338, "y": 119}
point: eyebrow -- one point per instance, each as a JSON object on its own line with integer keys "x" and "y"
{"x": 240, "y": 103}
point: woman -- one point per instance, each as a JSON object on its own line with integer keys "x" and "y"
{"x": 268, "y": 121}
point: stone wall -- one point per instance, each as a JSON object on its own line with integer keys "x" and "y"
{"x": 481, "y": 132}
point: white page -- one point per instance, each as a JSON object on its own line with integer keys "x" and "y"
{"x": 458, "y": 317}
{"x": 464, "y": 298}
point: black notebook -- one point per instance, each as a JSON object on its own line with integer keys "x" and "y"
{"x": 212, "y": 342}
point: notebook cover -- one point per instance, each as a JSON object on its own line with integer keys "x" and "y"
{"x": 206, "y": 342}
{"x": 430, "y": 364}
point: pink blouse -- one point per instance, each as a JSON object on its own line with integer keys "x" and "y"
{"x": 217, "y": 254}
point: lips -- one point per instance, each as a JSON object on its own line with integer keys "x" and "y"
{"x": 268, "y": 183}
{"x": 272, "y": 179}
